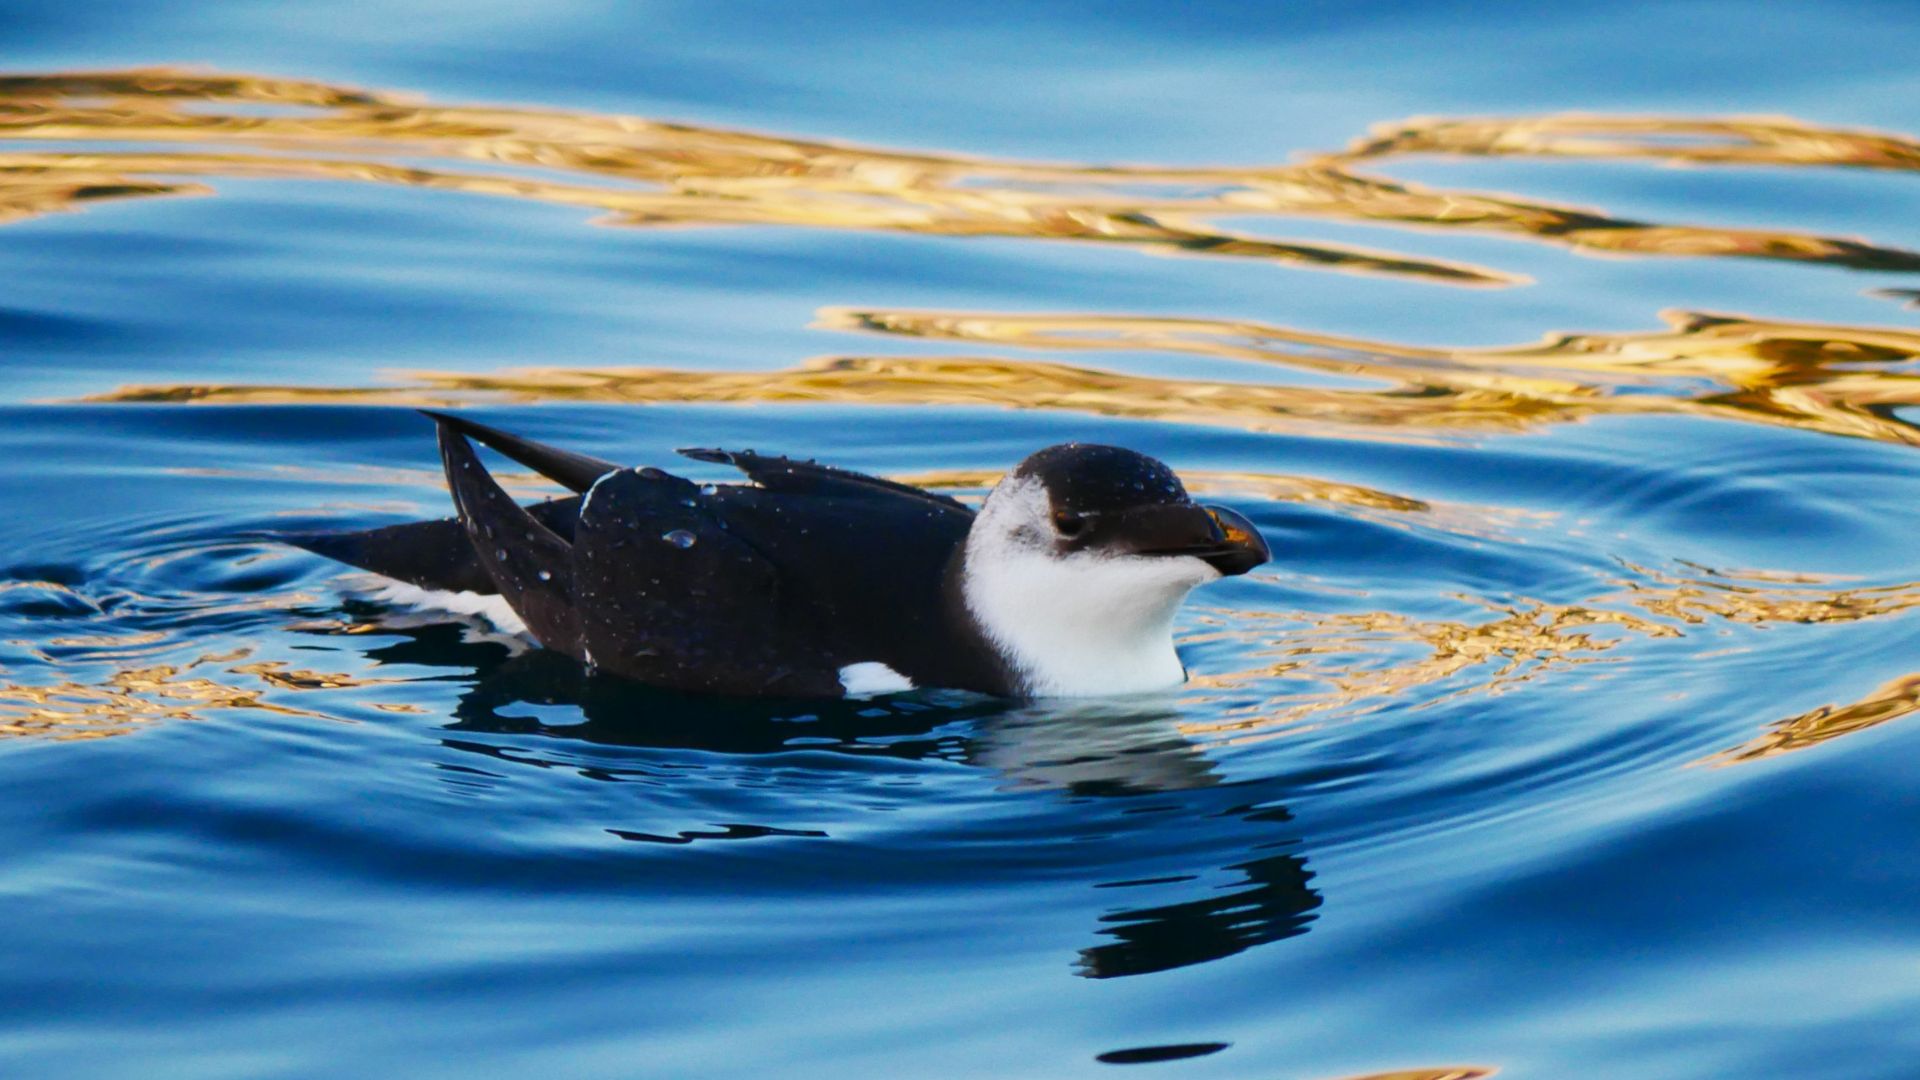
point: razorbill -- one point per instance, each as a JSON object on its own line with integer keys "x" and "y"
{"x": 811, "y": 581}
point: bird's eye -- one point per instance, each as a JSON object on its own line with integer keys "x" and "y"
{"x": 1067, "y": 524}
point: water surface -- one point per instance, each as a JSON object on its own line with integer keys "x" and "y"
{"x": 1570, "y": 367}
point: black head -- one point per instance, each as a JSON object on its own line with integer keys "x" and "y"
{"x": 1086, "y": 478}
{"x": 1111, "y": 500}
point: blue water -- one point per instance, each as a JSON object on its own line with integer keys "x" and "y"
{"x": 1569, "y": 733}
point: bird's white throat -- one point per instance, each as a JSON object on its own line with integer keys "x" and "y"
{"x": 1075, "y": 625}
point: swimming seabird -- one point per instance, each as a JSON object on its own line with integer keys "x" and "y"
{"x": 812, "y": 581}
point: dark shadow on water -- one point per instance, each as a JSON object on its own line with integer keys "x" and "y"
{"x": 1130, "y": 759}
{"x": 1148, "y": 1055}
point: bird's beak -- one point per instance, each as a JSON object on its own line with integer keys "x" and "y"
{"x": 1215, "y": 535}
{"x": 1244, "y": 547}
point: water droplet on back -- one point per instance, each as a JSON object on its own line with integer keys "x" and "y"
{"x": 679, "y": 538}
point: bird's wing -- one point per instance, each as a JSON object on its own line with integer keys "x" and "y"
{"x": 766, "y": 588}
{"x": 650, "y": 586}
{"x": 530, "y": 564}
{"x": 788, "y": 476}
{"x": 873, "y": 571}
{"x": 667, "y": 594}
{"x": 431, "y": 554}
{"x": 575, "y": 472}
{"x": 435, "y": 554}
{"x": 578, "y": 472}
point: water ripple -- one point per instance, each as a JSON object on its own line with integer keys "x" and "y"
{"x": 1521, "y": 591}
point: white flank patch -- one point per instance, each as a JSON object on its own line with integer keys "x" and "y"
{"x": 1081, "y": 625}
{"x": 870, "y": 678}
{"x": 494, "y": 609}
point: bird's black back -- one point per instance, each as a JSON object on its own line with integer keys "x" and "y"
{"x": 763, "y": 588}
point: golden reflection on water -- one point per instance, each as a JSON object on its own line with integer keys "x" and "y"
{"x": 1357, "y": 664}
{"x": 1896, "y": 699}
{"x": 1753, "y": 140}
{"x": 143, "y": 131}
{"x": 916, "y": 381}
{"x": 131, "y": 685}
{"x": 1274, "y": 487}
{"x": 1842, "y": 380}
{"x": 1834, "y": 379}
{"x": 133, "y": 697}
{"x": 1755, "y": 598}
{"x": 644, "y": 172}
{"x": 1453, "y": 1072}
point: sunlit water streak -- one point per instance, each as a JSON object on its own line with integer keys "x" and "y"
{"x": 1521, "y": 591}
{"x": 706, "y": 176}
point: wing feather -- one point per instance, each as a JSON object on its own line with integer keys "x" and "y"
{"x": 784, "y": 474}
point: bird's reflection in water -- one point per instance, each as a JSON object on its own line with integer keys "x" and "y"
{"x": 1131, "y": 754}
{"x": 1110, "y": 749}
{"x": 1104, "y": 748}
{"x": 1276, "y": 902}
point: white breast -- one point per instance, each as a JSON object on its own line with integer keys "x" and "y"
{"x": 1081, "y": 625}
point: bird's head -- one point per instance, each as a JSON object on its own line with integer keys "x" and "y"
{"x": 1079, "y": 558}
